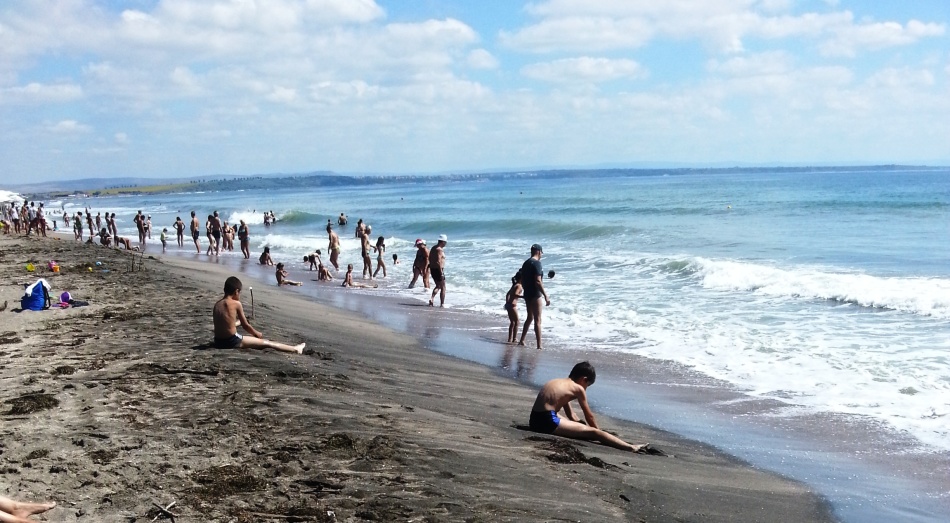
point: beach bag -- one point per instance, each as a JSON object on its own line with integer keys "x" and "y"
{"x": 36, "y": 297}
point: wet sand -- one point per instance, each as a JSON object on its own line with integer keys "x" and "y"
{"x": 112, "y": 408}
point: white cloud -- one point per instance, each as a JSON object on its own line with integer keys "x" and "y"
{"x": 282, "y": 95}
{"x": 69, "y": 127}
{"x": 482, "y": 59}
{"x": 37, "y": 93}
{"x": 584, "y": 70}
{"x": 598, "y": 25}
{"x": 121, "y": 139}
{"x": 847, "y": 40}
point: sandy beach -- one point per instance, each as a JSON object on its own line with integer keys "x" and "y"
{"x": 119, "y": 406}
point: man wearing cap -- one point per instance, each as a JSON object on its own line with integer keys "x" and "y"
{"x": 420, "y": 266}
{"x": 437, "y": 270}
{"x": 533, "y": 290}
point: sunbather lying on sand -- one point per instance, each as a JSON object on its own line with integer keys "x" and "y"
{"x": 557, "y": 394}
{"x": 18, "y": 512}
{"x": 228, "y": 311}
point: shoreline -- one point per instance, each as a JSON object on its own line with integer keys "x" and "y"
{"x": 372, "y": 424}
{"x": 887, "y": 477}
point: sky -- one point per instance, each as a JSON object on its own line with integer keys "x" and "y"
{"x": 187, "y": 88}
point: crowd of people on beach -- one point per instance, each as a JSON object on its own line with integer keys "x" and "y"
{"x": 526, "y": 285}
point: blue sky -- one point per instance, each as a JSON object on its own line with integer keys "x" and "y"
{"x": 169, "y": 88}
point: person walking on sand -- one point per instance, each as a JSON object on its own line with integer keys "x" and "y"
{"x": 420, "y": 265}
{"x": 437, "y": 269}
{"x": 12, "y": 511}
{"x": 228, "y": 311}
{"x": 333, "y": 247}
{"x": 511, "y": 306}
{"x": 557, "y": 394}
{"x": 531, "y": 276}
{"x": 196, "y": 231}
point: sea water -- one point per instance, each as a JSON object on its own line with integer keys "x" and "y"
{"x": 825, "y": 292}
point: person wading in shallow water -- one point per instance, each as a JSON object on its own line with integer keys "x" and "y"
{"x": 437, "y": 269}
{"x": 533, "y": 290}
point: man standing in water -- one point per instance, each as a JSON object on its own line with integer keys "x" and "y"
{"x": 533, "y": 290}
{"x": 437, "y": 269}
{"x": 216, "y": 230}
{"x": 196, "y": 231}
{"x": 333, "y": 247}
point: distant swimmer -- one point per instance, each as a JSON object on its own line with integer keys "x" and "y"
{"x": 531, "y": 280}
{"x": 281, "y": 275}
{"x": 348, "y": 280}
{"x": 341, "y": 220}
{"x": 228, "y": 311}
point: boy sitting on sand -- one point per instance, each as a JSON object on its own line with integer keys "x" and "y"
{"x": 281, "y": 275}
{"x": 228, "y": 311}
{"x": 557, "y": 394}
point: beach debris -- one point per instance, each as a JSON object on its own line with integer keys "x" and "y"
{"x": 567, "y": 453}
{"x": 8, "y": 338}
{"x": 165, "y": 511}
{"x": 30, "y": 403}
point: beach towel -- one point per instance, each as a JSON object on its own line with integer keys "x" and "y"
{"x": 36, "y": 297}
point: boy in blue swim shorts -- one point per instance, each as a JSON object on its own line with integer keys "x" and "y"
{"x": 557, "y": 394}
{"x": 228, "y": 311}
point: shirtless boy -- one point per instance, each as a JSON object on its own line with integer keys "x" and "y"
{"x": 228, "y": 311}
{"x": 557, "y": 394}
{"x": 281, "y": 275}
{"x": 348, "y": 280}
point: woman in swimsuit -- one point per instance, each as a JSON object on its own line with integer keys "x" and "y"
{"x": 511, "y": 305}
{"x": 380, "y": 249}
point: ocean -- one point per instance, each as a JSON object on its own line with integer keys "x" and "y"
{"x": 797, "y": 320}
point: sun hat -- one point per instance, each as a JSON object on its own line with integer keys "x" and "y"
{"x": 420, "y": 241}
{"x": 443, "y": 238}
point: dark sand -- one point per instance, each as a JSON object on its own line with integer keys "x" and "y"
{"x": 110, "y": 408}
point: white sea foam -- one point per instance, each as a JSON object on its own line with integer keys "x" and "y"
{"x": 925, "y": 296}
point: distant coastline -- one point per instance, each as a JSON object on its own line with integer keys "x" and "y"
{"x": 138, "y": 186}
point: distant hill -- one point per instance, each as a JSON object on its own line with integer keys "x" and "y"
{"x": 109, "y": 186}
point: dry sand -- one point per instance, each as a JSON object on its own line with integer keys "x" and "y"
{"x": 111, "y": 408}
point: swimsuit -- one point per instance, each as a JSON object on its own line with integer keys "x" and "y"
{"x": 194, "y": 234}
{"x": 544, "y": 421}
{"x": 228, "y": 343}
{"x": 437, "y": 275}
